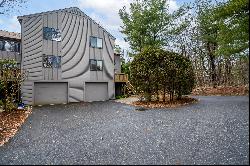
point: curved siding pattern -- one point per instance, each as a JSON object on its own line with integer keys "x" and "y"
{"x": 74, "y": 48}
{"x": 73, "y": 44}
{"x": 31, "y": 53}
{"x": 79, "y": 52}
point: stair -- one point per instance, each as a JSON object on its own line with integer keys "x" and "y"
{"x": 129, "y": 88}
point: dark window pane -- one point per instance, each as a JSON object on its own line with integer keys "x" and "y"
{"x": 2, "y": 43}
{"x": 12, "y": 46}
{"x": 45, "y": 61}
{"x": 47, "y": 33}
{"x": 56, "y": 61}
{"x": 93, "y": 41}
{"x": 17, "y": 47}
{"x": 92, "y": 65}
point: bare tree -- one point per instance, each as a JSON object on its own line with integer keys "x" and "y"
{"x": 8, "y": 6}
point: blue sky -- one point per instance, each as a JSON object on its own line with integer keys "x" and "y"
{"x": 105, "y": 12}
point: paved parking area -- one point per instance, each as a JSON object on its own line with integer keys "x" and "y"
{"x": 213, "y": 131}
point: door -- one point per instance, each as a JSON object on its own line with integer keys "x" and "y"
{"x": 50, "y": 93}
{"x": 96, "y": 91}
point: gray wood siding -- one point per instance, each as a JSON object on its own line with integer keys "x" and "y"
{"x": 76, "y": 28}
{"x": 76, "y": 52}
{"x": 10, "y": 55}
{"x": 51, "y": 20}
{"x": 31, "y": 47}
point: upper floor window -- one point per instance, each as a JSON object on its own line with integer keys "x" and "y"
{"x": 51, "y": 61}
{"x": 96, "y": 65}
{"x": 51, "y": 34}
{"x": 9, "y": 46}
{"x": 2, "y": 43}
{"x": 95, "y": 42}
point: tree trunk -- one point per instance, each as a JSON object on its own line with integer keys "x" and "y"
{"x": 212, "y": 63}
{"x": 164, "y": 94}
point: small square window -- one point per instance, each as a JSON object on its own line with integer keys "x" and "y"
{"x": 51, "y": 34}
{"x": 92, "y": 65}
{"x": 95, "y": 42}
{"x": 96, "y": 65}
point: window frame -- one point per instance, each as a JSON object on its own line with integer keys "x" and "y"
{"x": 96, "y": 39}
{"x": 2, "y": 48}
{"x": 52, "y": 34}
{"x": 95, "y": 68}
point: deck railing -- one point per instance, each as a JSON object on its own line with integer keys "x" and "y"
{"x": 121, "y": 77}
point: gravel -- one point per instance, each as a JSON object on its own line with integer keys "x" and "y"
{"x": 213, "y": 131}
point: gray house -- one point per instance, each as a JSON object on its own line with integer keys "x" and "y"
{"x": 10, "y": 46}
{"x": 68, "y": 57}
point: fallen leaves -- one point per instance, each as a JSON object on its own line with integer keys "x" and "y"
{"x": 10, "y": 123}
{"x": 167, "y": 104}
{"x": 222, "y": 91}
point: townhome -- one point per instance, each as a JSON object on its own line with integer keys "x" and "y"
{"x": 10, "y": 46}
{"x": 68, "y": 56}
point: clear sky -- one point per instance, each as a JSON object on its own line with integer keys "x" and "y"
{"x": 104, "y": 12}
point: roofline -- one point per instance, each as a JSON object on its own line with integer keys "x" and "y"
{"x": 16, "y": 37}
{"x": 63, "y": 10}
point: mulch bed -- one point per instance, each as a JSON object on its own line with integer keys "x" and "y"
{"x": 10, "y": 121}
{"x": 222, "y": 91}
{"x": 166, "y": 104}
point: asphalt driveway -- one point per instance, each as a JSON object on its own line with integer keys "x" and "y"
{"x": 213, "y": 131}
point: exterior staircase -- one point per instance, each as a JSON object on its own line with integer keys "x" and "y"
{"x": 129, "y": 88}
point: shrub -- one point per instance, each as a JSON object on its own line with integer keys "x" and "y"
{"x": 10, "y": 83}
{"x": 155, "y": 70}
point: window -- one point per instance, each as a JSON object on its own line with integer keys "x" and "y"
{"x": 51, "y": 34}
{"x": 12, "y": 46}
{"x": 95, "y": 42}
{"x": 7, "y": 46}
{"x": 51, "y": 61}
{"x": 2, "y": 43}
{"x": 99, "y": 65}
{"x": 96, "y": 65}
{"x": 17, "y": 47}
{"x": 99, "y": 43}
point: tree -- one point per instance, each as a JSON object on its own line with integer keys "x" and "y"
{"x": 11, "y": 79}
{"x": 155, "y": 71}
{"x": 219, "y": 40}
{"x": 149, "y": 23}
{"x": 233, "y": 19}
{"x": 6, "y": 6}
{"x": 208, "y": 30}
{"x": 117, "y": 49}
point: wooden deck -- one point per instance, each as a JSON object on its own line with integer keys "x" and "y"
{"x": 121, "y": 77}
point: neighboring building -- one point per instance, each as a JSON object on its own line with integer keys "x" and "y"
{"x": 69, "y": 58}
{"x": 117, "y": 62}
{"x": 121, "y": 79}
{"x": 10, "y": 46}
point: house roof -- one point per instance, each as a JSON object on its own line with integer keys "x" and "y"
{"x": 72, "y": 10}
{"x": 11, "y": 35}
